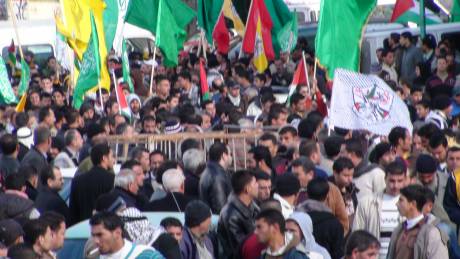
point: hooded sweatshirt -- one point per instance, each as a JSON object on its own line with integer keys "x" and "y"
{"x": 306, "y": 226}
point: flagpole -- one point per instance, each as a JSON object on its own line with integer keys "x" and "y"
{"x": 115, "y": 85}
{"x": 153, "y": 68}
{"x": 15, "y": 26}
{"x": 314, "y": 70}
{"x": 306, "y": 72}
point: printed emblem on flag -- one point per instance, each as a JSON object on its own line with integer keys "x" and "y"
{"x": 372, "y": 103}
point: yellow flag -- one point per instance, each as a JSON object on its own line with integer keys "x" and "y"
{"x": 260, "y": 59}
{"x": 77, "y": 26}
{"x": 20, "y": 107}
{"x": 97, "y": 7}
{"x": 231, "y": 13}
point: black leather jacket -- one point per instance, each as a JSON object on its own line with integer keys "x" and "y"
{"x": 215, "y": 186}
{"x": 236, "y": 222}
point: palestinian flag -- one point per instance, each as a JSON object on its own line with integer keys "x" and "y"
{"x": 258, "y": 38}
{"x": 409, "y": 11}
{"x": 121, "y": 99}
{"x": 203, "y": 82}
{"x": 300, "y": 77}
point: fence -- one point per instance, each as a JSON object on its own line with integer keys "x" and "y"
{"x": 238, "y": 144}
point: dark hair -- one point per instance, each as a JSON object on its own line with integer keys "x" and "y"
{"x": 261, "y": 77}
{"x": 71, "y": 116}
{"x": 296, "y": 98}
{"x": 354, "y": 145}
{"x": 268, "y": 136}
{"x": 43, "y": 113}
{"x": 28, "y": 171}
{"x": 288, "y": 129}
{"x": 130, "y": 164}
{"x": 158, "y": 152}
{"x": 216, "y": 151}
{"x": 395, "y": 168}
{"x": 53, "y": 220}
{"x": 46, "y": 174}
{"x": 168, "y": 164}
{"x": 342, "y": 163}
{"x": 41, "y": 135}
{"x": 360, "y": 240}
{"x": 438, "y": 139}
{"x": 189, "y": 144}
{"x": 424, "y": 102}
{"x": 308, "y": 147}
{"x": 21, "y": 120}
{"x": 261, "y": 175}
{"x": 275, "y": 110}
{"x": 160, "y": 78}
{"x": 306, "y": 164}
{"x": 185, "y": 75}
{"x": 33, "y": 229}
{"x": 136, "y": 152}
{"x": 170, "y": 222}
{"x": 261, "y": 153}
{"x": 332, "y": 146}
{"x": 317, "y": 189}
{"x": 8, "y": 144}
{"x": 415, "y": 193}
{"x": 15, "y": 182}
{"x": 22, "y": 251}
{"x": 396, "y": 134}
{"x": 453, "y": 149}
{"x": 427, "y": 130}
{"x": 109, "y": 220}
{"x": 240, "y": 180}
{"x": 385, "y": 52}
{"x": 273, "y": 217}
{"x": 98, "y": 152}
{"x": 429, "y": 195}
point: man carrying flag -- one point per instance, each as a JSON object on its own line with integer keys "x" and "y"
{"x": 258, "y": 39}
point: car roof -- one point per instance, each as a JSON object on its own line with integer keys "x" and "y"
{"x": 82, "y": 230}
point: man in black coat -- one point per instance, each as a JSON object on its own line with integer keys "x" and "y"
{"x": 87, "y": 187}
{"x": 175, "y": 200}
{"x": 9, "y": 163}
{"x": 215, "y": 185}
{"x": 37, "y": 156}
{"x": 48, "y": 198}
{"x": 237, "y": 218}
{"x": 327, "y": 230}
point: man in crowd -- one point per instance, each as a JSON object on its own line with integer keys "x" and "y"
{"x": 9, "y": 163}
{"x": 237, "y": 216}
{"x": 37, "y": 156}
{"x": 38, "y": 236}
{"x": 215, "y": 184}
{"x": 411, "y": 56}
{"x": 56, "y": 223}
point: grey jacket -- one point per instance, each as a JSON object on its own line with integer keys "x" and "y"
{"x": 431, "y": 243}
{"x": 411, "y": 56}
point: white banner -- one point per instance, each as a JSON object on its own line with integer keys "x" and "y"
{"x": 366, "y": 102}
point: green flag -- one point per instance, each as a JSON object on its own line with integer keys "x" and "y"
{"x": 340, "y": 28}
{"x": 110, "y": 19}
{"x": 6, "y": 92}
{"x": 287, "y": 36}
{"x": 166, "y": 20}
{"x": 455, "y": 11}
{"x": 25, "y": 78}
{"x": 208, "y": 14}
{"x": 281, "y": 16}
{"x": 125, "y": 64}
{"x": 90, "y": 69}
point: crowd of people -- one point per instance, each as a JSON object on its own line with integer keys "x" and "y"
{"x": 304, "y": 190}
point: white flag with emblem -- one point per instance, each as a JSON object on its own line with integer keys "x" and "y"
{"x": 366, "y": 102}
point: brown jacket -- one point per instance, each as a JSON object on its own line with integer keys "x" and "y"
{"x": 335, "y": 202}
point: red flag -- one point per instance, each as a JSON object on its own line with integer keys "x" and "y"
{"x": 203, "y": 82}
{"x": 221, "y": 35}
{"x": 259, "y": 13}
{"x": 401, "y": 6}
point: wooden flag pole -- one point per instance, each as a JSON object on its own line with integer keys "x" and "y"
{"x": 153, "y": 69}
{"x": 306, "y": 72}
{"x": 15, "y": 26}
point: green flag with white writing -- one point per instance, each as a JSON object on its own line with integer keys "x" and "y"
{"x": 287, "y": 36}
{"x": 6, "y": 92}
{"x": 90, "y": 70}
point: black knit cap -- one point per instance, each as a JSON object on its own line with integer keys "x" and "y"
{"x": 196, "y": 212}
{"x": 426, "y": 164}
{"x": 378, "y": 151}
{"x": 287, "y": 184}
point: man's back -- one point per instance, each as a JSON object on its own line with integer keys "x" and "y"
{"x": 215, "y": 186}
{"x": 328, "y": 232}
{"x": 85, "y": 190}
{"x": 35, "y": 159}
